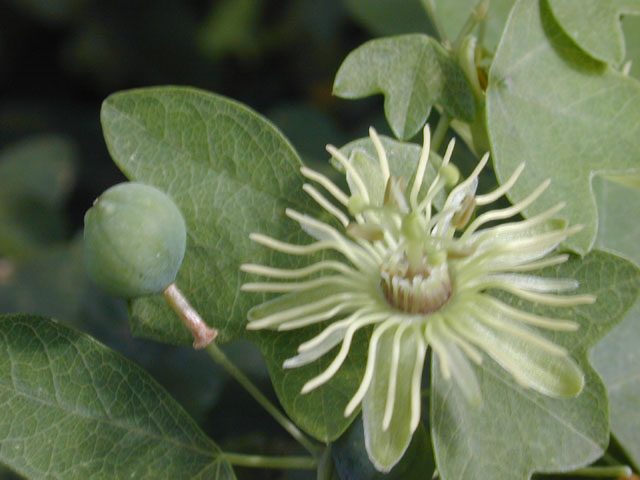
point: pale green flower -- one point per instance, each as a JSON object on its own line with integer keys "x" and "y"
{"x": 420, "y": 276}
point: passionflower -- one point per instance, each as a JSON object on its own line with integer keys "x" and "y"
{"x": 415, "y": 266}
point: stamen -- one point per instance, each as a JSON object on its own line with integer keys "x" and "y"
{"x": 371, "y": 358}
{"x": 327, "y": 184}
{"x": 393, "y": 375}
{"x": 338, "y": 360}
{"x": 290, "y": 248}
{"x": 320, "y": 229}
{"x": 505, "y": 212}
{"x": 300, "y": 272}
{"x": 382, "y": 155}
{"x": 416, "y": 380}
{"x": 284, "y": 287}
{"x": 491, "y": 304}
{"x": 284, "y": 315}
{"x": 502, "y": 323}
{"x": 502, "y": 189}
{"x": 337, "y": 154}
{"x": 324, "y": 203}
{"x": 422, "y": 165}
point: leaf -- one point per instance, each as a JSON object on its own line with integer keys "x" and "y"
{"x": 595, "y": 25}
{"x": 517, "y": 431}
{"x": 617, "y": 360}
{"x": 352, "y": 462}
{"x": 74, "y": 409}
{"x": 566, "y": 115}
{"x": 230, "y": 172}
{"x": 321, "y": 411}
{"x": 413, "y": 72}
{"x": 453, "y": 15}
{"x": 618, "y": 229}
{"x": 36, "y": 176}
{"x": 382, "y": 17}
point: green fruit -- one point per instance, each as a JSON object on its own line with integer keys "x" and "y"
{"x": 135, "y": 239}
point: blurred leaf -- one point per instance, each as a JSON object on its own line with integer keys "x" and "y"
{"x": 563, "y": 113}
{"x": 618, "y": 227}
{"x": 595, "y": 25}
{"x": 39, "y": 167}
{"x": 230, "y": 28}
{"x": 51, "y": 283}
{"x": 453, "y": 15}
{"x": 389, "y": 17}
{"x": 517, "y": 431}
{"x": 50, "y": 11}
{"x": 36, "y": 176}
{"x": 617, "y": 360}
{"x": 73, "y": 408}
{"x": 230, "y": 172}
{"x": 413, "y": 72}
{"x": 352, "y": 462}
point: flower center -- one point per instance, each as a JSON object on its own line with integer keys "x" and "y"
{"x": 424, "y": 289}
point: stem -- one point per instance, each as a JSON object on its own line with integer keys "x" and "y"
{"x": 261, "y": 461}
{"x": 602, "y": 472}
{"x": 477, "y": 15}
{"x": 430, "y": 7}
{"x": 440, "y": 132}
{"x": 202, "y": 334}
{"x": 220, "y": 358}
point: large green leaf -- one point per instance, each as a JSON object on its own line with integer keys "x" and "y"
{"x": 453, "y": 15}
{"x": 517, "y": 431}
{"x": 595, "y": 25}
{"x": 72, "y": 408}
{"x": 230, "y": 172}
{"x": 566, "y": 115}
{"x": 321, "y": 411}
{"x": 413, "y": 72}
{"x": 617, "y": 359}
{"x": 618, "y": 227}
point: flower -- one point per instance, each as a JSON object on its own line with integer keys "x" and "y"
{"x": 414, "y": 266}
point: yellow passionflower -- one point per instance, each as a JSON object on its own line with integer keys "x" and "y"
{"x": 422, "y": 277}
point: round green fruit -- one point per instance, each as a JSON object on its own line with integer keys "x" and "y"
{"x": 134, "y": 240}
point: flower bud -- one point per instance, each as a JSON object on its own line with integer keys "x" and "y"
{"x": 135, "y": 240}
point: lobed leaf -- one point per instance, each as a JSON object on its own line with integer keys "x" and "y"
{"x": 413, "y": 72}
{"x": 568, "y": 116}
{"x": 517, "y": 431}
{"x": 595, "y": 25}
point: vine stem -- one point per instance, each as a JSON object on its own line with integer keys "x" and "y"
{"x": 430, "y": 7}
{"x": 439, "y": 133}
{"x": 477, "y": 15}
{"x": 616, "y": 471}
{"x": 261, "y": 461}
{"x": 221, "y": 359}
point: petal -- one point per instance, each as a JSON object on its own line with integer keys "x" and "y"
{"x": 386, "y": 447}
{"x": 530, "y": 364}
{"x": 453, "y": 361}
